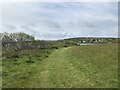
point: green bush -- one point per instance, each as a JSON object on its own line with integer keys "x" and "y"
{"x": 11, "y": 54}
{"x": 65, "y": 46}
{"x": 54, "y": 47}
{"x": 29, "y": 61}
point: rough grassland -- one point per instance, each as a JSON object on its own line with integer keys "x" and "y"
{"x": 79, "y": 66}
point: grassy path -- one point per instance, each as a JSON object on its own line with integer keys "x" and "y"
{"x": 59, "y": 72}
{"x": 70, "y": 67}
{"x": 83, "y": 66}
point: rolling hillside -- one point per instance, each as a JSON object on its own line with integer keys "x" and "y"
{"x": 76, "y": 66}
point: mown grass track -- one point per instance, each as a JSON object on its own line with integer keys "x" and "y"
{"x": 78, "y": 66}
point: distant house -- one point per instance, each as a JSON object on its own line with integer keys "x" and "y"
{"x": 78, "y": 44}
{"x": 83, "y": 41}
{"x": 100, "y": 41}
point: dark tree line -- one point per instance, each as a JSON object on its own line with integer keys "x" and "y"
{"x": 22, "y": 41}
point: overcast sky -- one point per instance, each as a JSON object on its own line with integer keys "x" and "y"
{"x": 62, "y": 20}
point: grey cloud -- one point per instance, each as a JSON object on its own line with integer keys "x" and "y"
{"x": 53, "y": 35}
{"x": 25, "y": 27}
{"x": 50, "y": 36}
{"x": 86, "y": 24}
{"x": 28, "y": 29}
{"x": 71, "y": 24}
{"x": 10, "y": 27}
{"x": 105, "y": 24}
{"x": 80, "y": 19}
{"x": 50, "y": 24}
{"x": 31, "y": 24}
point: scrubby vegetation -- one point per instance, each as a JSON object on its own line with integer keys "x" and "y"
{"x": 30, "y": 63}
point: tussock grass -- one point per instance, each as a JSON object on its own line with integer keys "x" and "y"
{"x": 94, "y": 66}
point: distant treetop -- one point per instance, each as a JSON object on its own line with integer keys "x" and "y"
{"x": 16, "y": 37}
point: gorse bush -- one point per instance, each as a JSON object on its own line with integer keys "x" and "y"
{"x": 10, "y": 54}
{"x": 54, "y": 47}
{"x": 29, "y": 61}
{"x": 16, "y": 45}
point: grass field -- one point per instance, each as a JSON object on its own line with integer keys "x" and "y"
{"x": 77, "y": 66}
